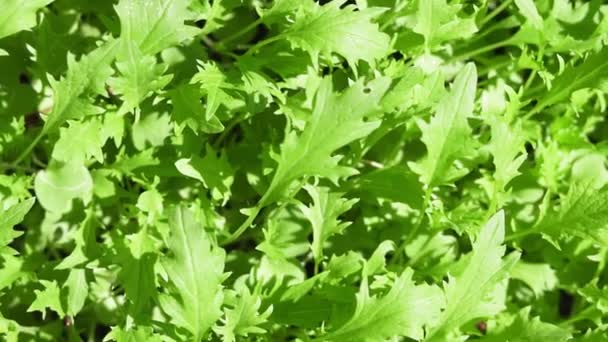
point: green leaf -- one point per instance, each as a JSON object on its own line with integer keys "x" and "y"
{"x": 438, "y": 21}
{"x": 155, "y": 25}
{"x": 323, "y": 215}
{"x": 404, "y": 311}
{"x": 336, "y": 121}
{"x": 58, "y": 185}
{"x": 448, "y": 125}
{"x": 243, "y": 319}
{"x": 473, "y": 293}
{"x": 140, "y": 76}
{"x": 583, "y": 213}
{"x": 79, "y": 142}
{"x": 528, "y": 9}
{"x": 397, "y": 183}
{"x": 9, "y": 218}
{"x": 195, "y": 272}
{"x": 84, "y": 78}
{"x": 323, "y": 30}
{"x": 589, "y": 74}
{"x": 16, "y": 15}
{"x": 507, "y": 147}
{"x": 139, "y": 334}
{"x": 76, "y": 289}
{"x": 214, "y": 83}
{"x": 540, "y": 277}
{"x": 214, "y": 171}
{"x": 524, "y": 329}
{"x": 188, "y": 110}
{"x": 50, "y": 298}
{"x": 151, "y": 130}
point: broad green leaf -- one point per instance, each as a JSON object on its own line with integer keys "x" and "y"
{"x": 10, "y": 217}
{"x": 76, "y": 289}
{"x": 50, "y": 298}
{"x": 140, "y": 76}
{"x": 439, "y": 21}
{"x": 138, "y": 279}
{"x": 404, "y": 311}
{"x": 243, "y": 318}
{"x": 188, "y": 110}
{"x": 58, "y": 185}
{"x": 397, "y": 183}
{"x": 155, "y": 25}
{"x": 507, "y": 150}
{"x": 151, "y": 130}
{"x": 323, "y": 215}
{"x": 139, "y": 334}
{"x": 523, "y": 328}
{"x": 195, "y": 272}
{"x": 17, "y": 15}
{"x": 472, "y": 294}
{"x": 583, "y": 212}
{"x": 85, "y": 240}
{"x": 588, "y": 74}
{"x": 79, "y": 142}
{"x": 327, "y": 29}
{"x": 214, "y": 84}
{"x": 540, "y": 277}
{"x": 150, "y": 202}
{"x": 336, "y": 121}
{"x": 528, "y": 9}
{"x": 84, "y": 78}
{"x": 447, "y": 126}
{"x": 215, "y": 172}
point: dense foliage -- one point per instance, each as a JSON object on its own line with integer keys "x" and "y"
{"x": 295, "y": 170}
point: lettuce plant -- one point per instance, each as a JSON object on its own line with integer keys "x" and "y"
{"x": 300, "y": 170}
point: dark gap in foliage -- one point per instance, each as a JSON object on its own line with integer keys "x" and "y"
{"x": 24, "y": 78}
{"x": 33, "y": 120}
{"x": 397, "y": 55}
{"x": 101, "y": 331}
{"x": 531, "y": 152}
{"x": 309, "y": 268}
{"x": 242, "y": 245}
{"x": 566, "y": 304}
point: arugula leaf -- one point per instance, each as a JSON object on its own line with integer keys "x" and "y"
{"x": 50, "y": 298}
{"x": 522, "y": 328}
{"x": 140, "y": 76}
{"x": 471, "y": 294}
{"x": 322, "y": 30}
{"x": 323, "y": 215}
{"x": 404, "y": 311}
{"x": 79, "y": 142}
{"x": 244, "y": 318}
{"x": 154, "y": 25}
{"x": 194, "y": 274}
{"x": 449, "y": 124}
{"x": 438, "y": 21}
{"x": 582, "y": 213}
{"x": 17, "y": 15}
{"x": 9, "y": 218}
{"x": 58, "y": 185}
{"x": 336, "y": 120}
{"x": 590, "y": 73}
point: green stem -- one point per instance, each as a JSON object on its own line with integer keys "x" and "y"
{"x": 264, "y": 42}
{"x": 521, "y": 234}
{"x": 481, "y": 50}
{"x": 243, "y": 227}
{"x": 29, "y": 149}
{"x": 414, "y": 232}
{"x": 239, "y": 33}
{"x": 495, "y": 12}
